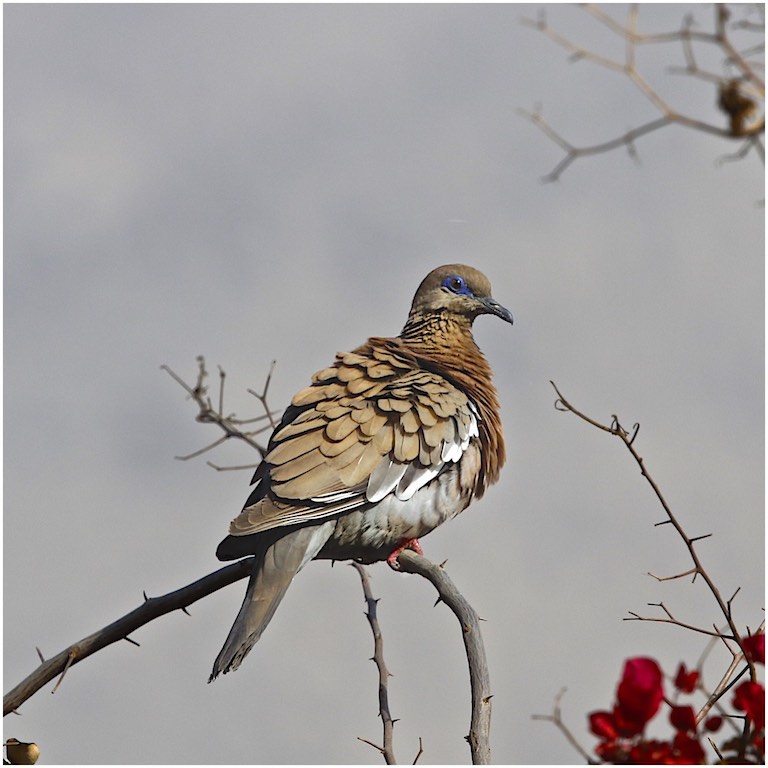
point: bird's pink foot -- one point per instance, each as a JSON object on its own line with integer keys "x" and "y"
{"x": 404, "y": 544}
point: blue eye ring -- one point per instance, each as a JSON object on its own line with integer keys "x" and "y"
{"x": 456, "y": 284}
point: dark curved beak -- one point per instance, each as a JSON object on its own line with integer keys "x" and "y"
{"x": 492, "y": 307}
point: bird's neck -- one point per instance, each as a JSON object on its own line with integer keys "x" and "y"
{"x": 439, "y": 332}
{"x": 443, "y": 342}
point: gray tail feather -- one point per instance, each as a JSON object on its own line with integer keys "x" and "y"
{"x": 271, "y": 577}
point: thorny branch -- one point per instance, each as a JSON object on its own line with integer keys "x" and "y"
{"x": 180, "y": 599}
{"x": 478, "y": 668}
{"x": 150, "y": 609}
{"x": 387, "y": 748}
{"x": 479, "y": 681}
{"x": 740, "y": 87}
{"x": 739, "y": 656}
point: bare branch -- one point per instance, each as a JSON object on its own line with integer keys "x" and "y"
{"x": 234, "y": 467}
{"x": 573, "y": 153}
{"x": 740, "y": 87}
{"x": 480, "y": 724}
{"x": 557, "y": 720}
{"x": 671, "y": 620}
{"x": 231, "y": 426}
{"x": 627, "y": 438}
{"x": 676, "y": 576}
{"x": 387, "y": 749}
{"x": 262, "y": 398}
{"x": 419, "y": 753}
{"x": 150, "y": 609}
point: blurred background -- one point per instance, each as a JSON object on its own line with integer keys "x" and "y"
{"x": 271, "y": 182}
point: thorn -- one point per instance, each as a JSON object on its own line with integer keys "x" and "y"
{"x": 437, "y": 602}
{"x": 699, "y": 538}
{"x": 133, "y": 642}
{"x": 487, "y": 698}
{"x": 663, "y": 522}
{"x": 70, "y": 658}
{"x": 144, "y": 592}
{"x": 40, "y": 655}
{"x": 442, "y": 565}
{"x": 185, "y": 611}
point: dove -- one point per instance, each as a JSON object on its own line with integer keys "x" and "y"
{"x": 386, "y": 444}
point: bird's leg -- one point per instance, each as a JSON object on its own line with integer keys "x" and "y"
{"x": 404, "y": 544}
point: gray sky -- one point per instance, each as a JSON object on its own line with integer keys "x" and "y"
{"x": 259, "y": 182}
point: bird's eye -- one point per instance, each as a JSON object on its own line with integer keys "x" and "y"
{"x": 455, "y": 284}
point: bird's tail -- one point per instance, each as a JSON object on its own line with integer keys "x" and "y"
{"x": 272, "y": 575}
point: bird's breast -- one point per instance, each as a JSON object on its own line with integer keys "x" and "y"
{"x": 371, "y": 533}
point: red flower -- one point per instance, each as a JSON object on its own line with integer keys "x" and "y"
{"x": 651, "y": 753}
{"x": 638, "y": 696}
{"x": 602, "y": 725}
{"x": 683, "y": 719}
{"x": 687, "y": 750}
{"x": 611, "y": 752}
{"x": 750, "y": 698}
{"x": 713, "y": 723}
{"x": 685, "y": 681}
{"x": 754, "y": 648}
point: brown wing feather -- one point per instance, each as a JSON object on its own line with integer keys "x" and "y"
{"x": 372, "y": 405}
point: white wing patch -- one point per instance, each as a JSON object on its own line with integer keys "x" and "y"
{"x": 406, "y": 478}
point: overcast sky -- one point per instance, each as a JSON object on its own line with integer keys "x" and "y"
{"x": 259, "y": 182}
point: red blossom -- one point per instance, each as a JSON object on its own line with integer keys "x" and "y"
{"x": 713, "y": 723}
{"x": 683, "y": 719}
{"x": 687, "y": 750}
{"x": 602, "y": 725}
{"x": 750, "y": 698}
{"x": 611, "y": 752}
{"x": 754, "y": 648}
{"x": 650, "y": 752}
{"x": 685, "y": 681}
{"x": 638, "y": 696}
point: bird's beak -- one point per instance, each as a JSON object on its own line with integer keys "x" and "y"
{"x": 493, "y": 307}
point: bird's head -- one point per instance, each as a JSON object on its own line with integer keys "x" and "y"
{"x": 458, "y": 290}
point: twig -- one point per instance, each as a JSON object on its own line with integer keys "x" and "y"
{"x": 480, "y": 723}
{"x": 419, "y": 753}
{"x": 207, "y": 414}
{"x": 556, "y": 719}
{"x": 672, "y": 620}
{"x": 726, "y": 683}
{"x": 747, "y": 86}
{"x": 150, "y": 609}
{"x": 616, "y": 429}
{"x": 262, "y": 398}
{"x": 725, "y": 606}
{"x": 387, "y": 749}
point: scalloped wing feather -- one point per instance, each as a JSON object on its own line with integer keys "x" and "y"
{"x": 372, "y": 424}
